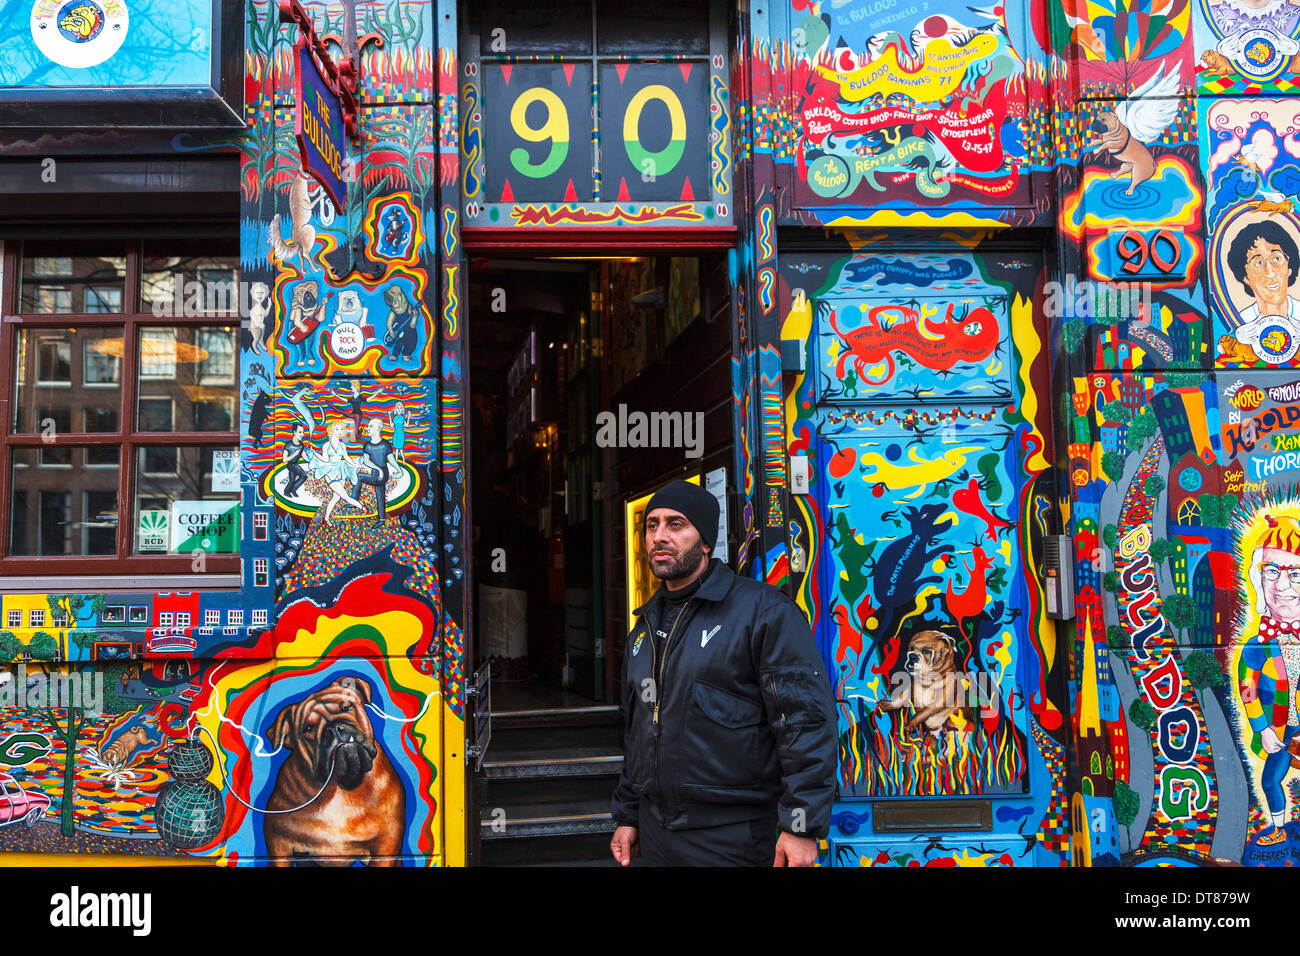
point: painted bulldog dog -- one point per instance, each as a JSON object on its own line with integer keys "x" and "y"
{"x": 338, "y": 798}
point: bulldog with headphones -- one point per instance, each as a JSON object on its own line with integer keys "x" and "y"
{"x": 336, "y": 798}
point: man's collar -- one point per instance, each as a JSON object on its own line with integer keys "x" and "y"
{"x": 714, "y": 587}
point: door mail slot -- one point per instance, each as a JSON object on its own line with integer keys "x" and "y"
{"x": 933, "y": 815}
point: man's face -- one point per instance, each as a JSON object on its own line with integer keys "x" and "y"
{"x": 672, "y": 544}
{"x": 1267, "y": 270}
{"x": 1281, "y": 593}
{"x": 373, "y": 430}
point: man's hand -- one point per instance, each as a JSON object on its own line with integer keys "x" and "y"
{"x": 1270, "y": 740}
{"x": 794, "y": 851}
{"x": 625, "y": 845}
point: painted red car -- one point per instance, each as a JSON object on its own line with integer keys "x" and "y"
{"x": 19, "y": 804}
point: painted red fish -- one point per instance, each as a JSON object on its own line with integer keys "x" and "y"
{"x": 970, "y": 337}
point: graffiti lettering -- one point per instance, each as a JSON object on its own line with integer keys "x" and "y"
{"x": 1179, "y": 723}
{"x": 1184, "y": 791}
{"x": 1166, "y": 674}
{"x": 1243, "y": 437}
{"x": 1138, "y": 577}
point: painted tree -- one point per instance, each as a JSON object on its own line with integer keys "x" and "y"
{"x": 1217, "y": 510}
{"x": 1111, "y": 582}
{"x": 1159, "y": 549}
{"x": 43, "y": 647}
{"x": 67, "y": 724}
{"x": 1153, "y": 486}
{"x": 1143, "y": 427}
{"x": 1117, "y": 413}
{"x": 1203, "y": 671}
{"x": 1112, "y": 463}
{"x": 1179, "y": 611}
{"x": 1126, "y": 803}
{"x": 10, "y": 647}
{"x": 1110, "y": 535}
{"x": 1072, "y": 334}
{"x": 1142, "y": 714}
{"x": 1116, "y": 638}
{"x": 1118, "y": 642}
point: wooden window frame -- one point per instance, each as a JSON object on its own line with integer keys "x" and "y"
{"x": 126, "y": 439}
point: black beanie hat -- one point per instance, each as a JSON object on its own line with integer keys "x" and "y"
{"x": 699, "y": 507}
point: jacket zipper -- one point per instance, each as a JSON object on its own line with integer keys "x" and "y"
{"x": 771, "y": 680}
{"x": 654, "y": 721}
{"x": 659, "y": 678}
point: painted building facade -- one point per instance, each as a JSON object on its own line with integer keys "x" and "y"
{"x": 997, "y": 275}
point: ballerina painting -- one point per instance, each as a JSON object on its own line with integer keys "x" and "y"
{"x": 334, "y": 466}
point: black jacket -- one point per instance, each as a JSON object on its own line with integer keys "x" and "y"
{"x": 746, "y": 720}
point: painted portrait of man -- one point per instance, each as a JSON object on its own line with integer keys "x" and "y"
{"x": 1269, "y": 663}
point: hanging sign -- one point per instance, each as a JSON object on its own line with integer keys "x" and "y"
{"x": 318, "y": 126}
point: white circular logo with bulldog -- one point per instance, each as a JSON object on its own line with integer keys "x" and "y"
{"x": 79, "y": 33}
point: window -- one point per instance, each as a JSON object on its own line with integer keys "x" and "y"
{"x": 259, "y": 526}
{"x": 260, "y": 572}
{"x": 259, "y": 616}
{"x": 235, "y": 617}
{"x": 15, "y": 618}
{"x": 183, "y": 619}
{"x": 60, "y": 619}
{"x": 121, "y": 381}
{"x": 211, "y": 616}
{"x": 36, "y": 618}
{"x": 165, "y": 618}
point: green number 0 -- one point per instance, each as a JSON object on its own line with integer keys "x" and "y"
{"x": 556, "y": 129}
{"x": 663, "y": 161}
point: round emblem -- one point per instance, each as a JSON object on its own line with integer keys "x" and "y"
{"x": 79, "y": 33}
{"x": 1277, "y": 343}
{"x": 1258, "y": 53}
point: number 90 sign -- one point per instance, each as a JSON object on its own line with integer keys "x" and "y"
{"x": 539, "y": 138}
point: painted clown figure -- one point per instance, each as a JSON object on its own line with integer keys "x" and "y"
{"x": 1270, "y": 662}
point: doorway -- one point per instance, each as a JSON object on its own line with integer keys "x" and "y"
{"x": 592, "y": 382}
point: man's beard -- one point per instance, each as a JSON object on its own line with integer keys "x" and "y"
{"x": 684, "y": 566}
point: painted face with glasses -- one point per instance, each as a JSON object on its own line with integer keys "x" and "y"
{"x": 1280, "y": 571}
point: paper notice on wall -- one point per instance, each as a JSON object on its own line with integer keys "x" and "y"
{"x": 715, "y": 482}
{"x": 225, "y": 471}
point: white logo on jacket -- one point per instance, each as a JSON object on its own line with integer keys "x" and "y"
{"x": 706, "y": 635}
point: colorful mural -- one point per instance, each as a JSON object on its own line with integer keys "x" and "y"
{"x": 968, "y": 389}
{"x": 916, "y": 117}
{"x": 310, "y": 725}
{"x": 917, "y": 414}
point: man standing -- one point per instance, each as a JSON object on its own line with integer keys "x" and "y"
{"x": 373, "y": 470}
{"x": 1269, "y": 663}
{"x": 292, "y": 457}
{"x": 729, "y": 719}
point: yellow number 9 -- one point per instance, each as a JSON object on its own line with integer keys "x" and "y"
{"x": 556, "y": 129}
